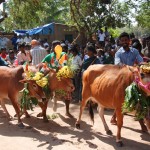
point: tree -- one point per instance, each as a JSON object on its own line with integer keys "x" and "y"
{"x": 26, "y": 14}
{"x": 143, "y": 16}
{"x": 89, "y": 15}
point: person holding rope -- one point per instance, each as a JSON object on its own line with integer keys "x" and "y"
{"x": 126, "y": 55}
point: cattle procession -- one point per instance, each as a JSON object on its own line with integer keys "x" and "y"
{"x": 82, "y": 83}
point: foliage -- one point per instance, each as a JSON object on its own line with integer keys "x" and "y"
{"x": 143, "y": 15}
{"x": 89, "y": 15}
{"x": 114, "y": 32}
{"x": 26, "y": 14}
{"x": 26, "y": 101}
{"x": 136, "y": 100}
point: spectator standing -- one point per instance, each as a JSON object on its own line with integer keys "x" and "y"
{"x": 126, "y": 56}
{"x": 22, "y": 56}
{"x": 14, "y": 41}
{"x": 19, "y": 40}
{"x": 101, "y": 36}
{"x": 37, "y": 52}
{"x": 27, "y": 39}
{"x": 77, "y": 63}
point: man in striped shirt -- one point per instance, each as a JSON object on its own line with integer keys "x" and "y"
{"x": 37, "y": 52}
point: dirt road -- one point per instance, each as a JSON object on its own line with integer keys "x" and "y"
{"x": 60, "y": 134}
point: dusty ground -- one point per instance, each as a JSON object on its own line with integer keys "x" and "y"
{"x": 60, "y": 134}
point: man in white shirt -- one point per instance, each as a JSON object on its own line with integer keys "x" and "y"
{"x": 23, "y": 56}
{"x": 37, "y": 52}
{"x": 20, "y": 40}
{"x": 101, "y": 37}
{"x": 27, "y": 39}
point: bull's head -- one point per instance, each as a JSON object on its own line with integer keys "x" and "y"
{"x": 35, "y": 90}
{"x": 65, "y": 84}
{"x": 142, "y": 79}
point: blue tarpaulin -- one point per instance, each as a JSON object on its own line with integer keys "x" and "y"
{"x": 21, "y": 32}
{"x": 45, "y": 30}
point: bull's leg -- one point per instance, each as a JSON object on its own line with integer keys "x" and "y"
{"x": 44, "y": 108}
{"x": 101, "y": 114}
{"x": 26, "y": 113}
{"x": 143, "y": 126}
{"x": 147, "y": 122}
{"x": 82, "y": 106}
{"x": 5, "y": 110}
{"x": 55, "y": 103}
{"x": 17, "y": 109}
{"x": 113, "y": 119}
{"x": 119, "y": 126}
{"x": 67, "y": 103}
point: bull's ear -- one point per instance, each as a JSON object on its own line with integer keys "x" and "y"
{"x": 25, "y": 81}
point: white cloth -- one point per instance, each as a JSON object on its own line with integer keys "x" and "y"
{"x": 27, "y": 39}
{"x": 20, "y": 40}
{"x": 77, "y": 61}
{"x": 21, "y": 57}
{"x": 38, "y": 54}
{"x": 101, "y": 36}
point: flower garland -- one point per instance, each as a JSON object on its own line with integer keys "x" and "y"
{"x": 25, "y": 100}
{"x": 67, "y": 71}
{"x": 135, "y": 100}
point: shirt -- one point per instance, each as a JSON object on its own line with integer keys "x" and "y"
{"x": 101, "y": 36}
{"x": 127, "y": 57}
{"x": 77, "y": 62}
{"x": 10, "y": 60}
{"x": 21, "y": 57}
{"x": 27, "y": 39}
{"x": 53, "y": 62}
{"x": 38, "y": 54}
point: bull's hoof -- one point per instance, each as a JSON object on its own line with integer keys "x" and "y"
{"x": 119, "y": 144}
{"x": 45, "y": 120}
{"x": 77, "y": 125}
{"x": 28, "y": 116}
{"x": 21, "y": 125}
{"x": 69, "y": 115}
{"x": 109, "y": 132}
{"x": 144, "y": 129}
{"x": 40, "y": 115}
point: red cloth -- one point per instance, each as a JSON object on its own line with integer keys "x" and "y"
{"x": 3, "y": 56}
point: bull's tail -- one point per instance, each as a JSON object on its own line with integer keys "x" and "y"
{"x": 91, "y": 112}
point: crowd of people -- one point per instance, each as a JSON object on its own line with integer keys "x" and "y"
{"x": 126, "y": 50}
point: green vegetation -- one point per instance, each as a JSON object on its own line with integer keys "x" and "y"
{"x": 86, "y": 15}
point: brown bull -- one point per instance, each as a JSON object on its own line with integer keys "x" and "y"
{"x": 54, "y": 84}
{"x": 106, "y": 84}
{"x": 10, "y": 86}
